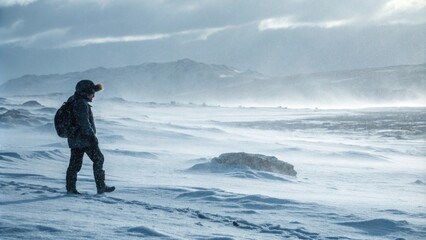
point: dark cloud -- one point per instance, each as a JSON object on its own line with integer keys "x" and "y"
{"x": 271, "y": 36}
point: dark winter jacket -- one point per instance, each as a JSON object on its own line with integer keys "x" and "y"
{"x": 84, "y": 130}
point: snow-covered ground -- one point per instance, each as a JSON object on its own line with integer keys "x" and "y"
{"x": 361, "y": 174}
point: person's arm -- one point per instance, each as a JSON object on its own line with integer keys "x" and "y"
{"x": 82, "y": 118}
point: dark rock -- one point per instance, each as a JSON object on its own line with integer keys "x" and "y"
{"x": 256, "y": 162}
{"x": 32, "y": 104}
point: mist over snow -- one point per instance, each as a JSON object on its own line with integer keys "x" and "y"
{"x": 189, "y": 81}
{"x": 187, "y": 171}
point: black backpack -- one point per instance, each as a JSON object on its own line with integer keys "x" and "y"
{"x": 63, "y": 120}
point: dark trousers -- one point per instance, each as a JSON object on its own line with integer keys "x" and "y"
{"x": 76, "y": 161}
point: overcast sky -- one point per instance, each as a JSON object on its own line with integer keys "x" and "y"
{"x": 275, "y": 37}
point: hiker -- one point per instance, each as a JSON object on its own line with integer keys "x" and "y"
{"x": 82, "y": 138}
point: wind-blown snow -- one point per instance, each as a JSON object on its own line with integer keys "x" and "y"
{"x": 360, "y": 173}
{"x": 189, "y": 81}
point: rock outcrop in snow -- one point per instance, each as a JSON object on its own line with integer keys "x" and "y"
{"x": 32, "y": 104}
{"x": 257, "y": 162}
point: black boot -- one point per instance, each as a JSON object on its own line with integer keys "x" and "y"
{"x": 73, "y": 191}
{"x": 71, "y": 183}
{"x": 100, "y": 183}
{"x": 106, "y": 189}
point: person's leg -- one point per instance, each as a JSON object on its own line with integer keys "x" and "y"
{"x": 76, "y": 161}
{"x": 97, "y": 158}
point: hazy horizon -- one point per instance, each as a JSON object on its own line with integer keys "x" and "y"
{"x": 210, "y": 63}
{"x": 187, "y": 81}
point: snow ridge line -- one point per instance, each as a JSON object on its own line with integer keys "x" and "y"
{"x": 229, "y": 221}
{"x": 299, "y": 233}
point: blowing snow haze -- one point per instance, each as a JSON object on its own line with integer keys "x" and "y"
{"x": 189, "y": 81}
{"x": 281, "y": 42}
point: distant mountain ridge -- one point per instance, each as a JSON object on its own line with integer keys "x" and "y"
{"x": 190, "y": 81}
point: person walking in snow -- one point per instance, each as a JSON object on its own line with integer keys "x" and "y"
{"x": 83, "y": 138}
